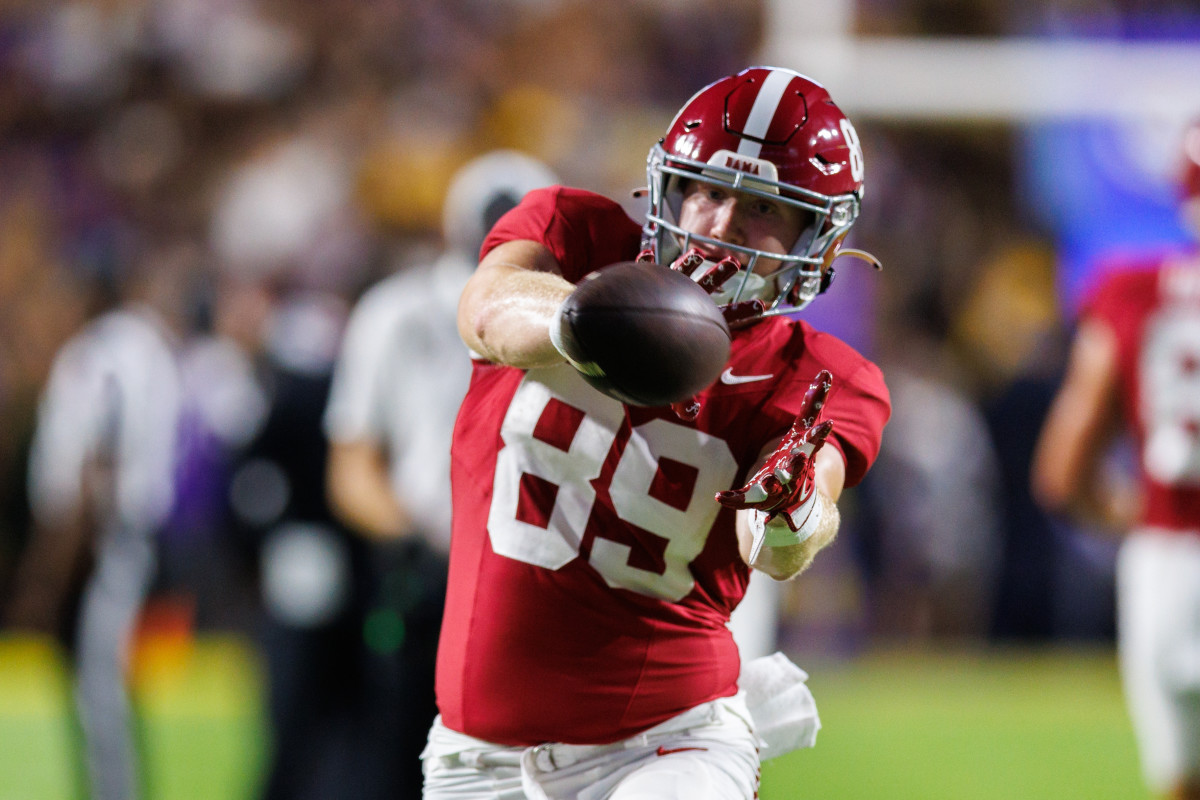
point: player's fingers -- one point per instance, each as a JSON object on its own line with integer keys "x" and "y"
{"x": 795, "y": 436}
{"x": 807, "y": 442}
{"x": 816, "y": 436}
{"x": 688, "y": 262}
{"x": 792, "y": 466}
{"x": 801, "y": 443}
{"x": 758, "y": 493}
{"x": 732, "y": 498}
{"x": 724, "y": 269}
{"x": 743, "y": 313}
{"x": 687, "y": 410}
{"x": 814, "y": 398}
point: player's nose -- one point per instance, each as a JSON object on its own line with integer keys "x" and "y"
{"x": 726, "y": 225}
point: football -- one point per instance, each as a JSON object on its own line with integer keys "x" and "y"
{"x": 643, "y": 333}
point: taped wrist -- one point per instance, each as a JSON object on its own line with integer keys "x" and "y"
{"x": 788, "y": 526}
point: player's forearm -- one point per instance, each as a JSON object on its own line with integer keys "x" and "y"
{"x": 372, "y": 515}
{"x": 1066, "y": 471}
{"x": 360, "y": 494}
{"x": 1068, "y": 477}
{"x": 505, "y": 314}
{"x": 788, "y": 561}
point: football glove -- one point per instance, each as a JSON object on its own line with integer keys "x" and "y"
{"x": 711, "y": 280}
{"x": 782, "y": 496}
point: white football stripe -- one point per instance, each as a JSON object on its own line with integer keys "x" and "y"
{"x": 763, "y": 110}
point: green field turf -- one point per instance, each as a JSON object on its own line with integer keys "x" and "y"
{"x": 902, "y": 725}
{"x": 1034, "y": 725}
{"x": 201, "y": 721}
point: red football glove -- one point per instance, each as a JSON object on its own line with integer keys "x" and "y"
{"x": 736, "y": 314}
{"x": 783, "y": 490}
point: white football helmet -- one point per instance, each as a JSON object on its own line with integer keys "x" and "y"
{"x": 482, "y": 191}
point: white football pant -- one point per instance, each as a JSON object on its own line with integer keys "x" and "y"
{"x": 1158, "y": 594}
{"x": 707, "y": 753}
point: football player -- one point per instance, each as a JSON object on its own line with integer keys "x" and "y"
{"x": 597, "y": 548}
{"x": 1135, "y": 366}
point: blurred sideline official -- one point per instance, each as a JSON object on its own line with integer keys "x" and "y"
{"x": 101, "y": 486}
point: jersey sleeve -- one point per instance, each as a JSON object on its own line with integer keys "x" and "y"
{"x": 1122, "y": 290}
{"x": 860, "y": 407}
{"x": 113, "y": 393}
{"x": 70, "y": 415}
{"x": 352, "y": 412}
{"x": 585, "y": 231}
{"x": 1104, "y": 301}
{"x": 859, "y": 403}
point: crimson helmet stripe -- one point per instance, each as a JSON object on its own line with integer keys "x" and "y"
{"x": 762, "y": 113}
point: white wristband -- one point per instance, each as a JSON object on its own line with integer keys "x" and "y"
{"x": 775, "y": 532}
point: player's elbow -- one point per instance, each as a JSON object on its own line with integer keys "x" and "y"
{"x": 473, "y": 320}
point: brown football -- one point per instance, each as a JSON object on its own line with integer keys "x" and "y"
{"x": 644, "y": 334}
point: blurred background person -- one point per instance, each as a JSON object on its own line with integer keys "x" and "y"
{"x": 401, "y": 374}
{"x": 289, "y": 242}
{"x": 310, "y": 573}
{"x": 1134, "y": 370}
{"x": 101, "y": 472}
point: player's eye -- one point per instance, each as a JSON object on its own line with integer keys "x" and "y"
{"x": 764, "y": 209}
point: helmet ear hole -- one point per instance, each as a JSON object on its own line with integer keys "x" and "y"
{"x": 827, "y": 279}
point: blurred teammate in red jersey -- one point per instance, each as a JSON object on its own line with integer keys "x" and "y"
{"x": 585, "y": 651}
{"x": 1135, "y": 367}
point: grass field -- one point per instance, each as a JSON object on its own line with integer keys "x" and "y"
{"x": 1035, "y": 725}
{"x": 898, "y": 725}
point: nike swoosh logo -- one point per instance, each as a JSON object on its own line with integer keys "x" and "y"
{"x": 664, "y": 751}
{"x": 728, "y": 377}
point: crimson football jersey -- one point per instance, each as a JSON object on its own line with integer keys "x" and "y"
{"x": 1154, "y": 310}
{"x": 592, "y": 572}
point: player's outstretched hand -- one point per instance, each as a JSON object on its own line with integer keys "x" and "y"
{"x": 782, "y": 491}
{"x": 711, "y": 280}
